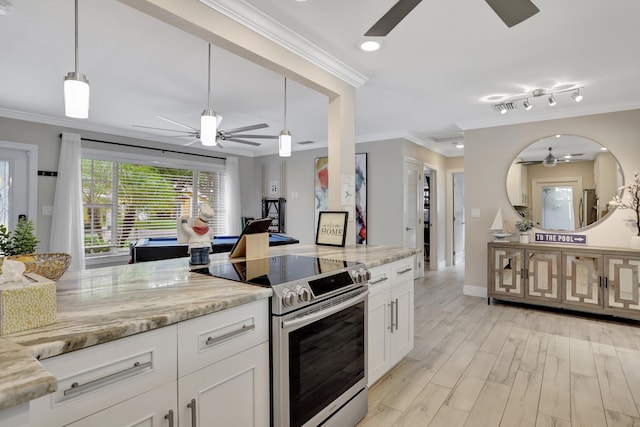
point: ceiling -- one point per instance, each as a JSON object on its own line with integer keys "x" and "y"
{"x": 439, "y": 72}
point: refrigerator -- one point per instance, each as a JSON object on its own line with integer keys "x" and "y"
{"x": 588, "y": 207}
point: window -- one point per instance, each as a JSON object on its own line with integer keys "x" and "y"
{"x": 124, "y": 202}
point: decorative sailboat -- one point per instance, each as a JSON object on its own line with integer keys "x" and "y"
{"x": 497, "y": 228}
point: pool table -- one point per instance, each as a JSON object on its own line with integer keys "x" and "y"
{"x": 155, "y": 248}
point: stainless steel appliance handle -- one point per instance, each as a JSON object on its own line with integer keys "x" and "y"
{"x": 169, "y": 416}
{"x": 312, "y": 317}
{"x": 192, "y": 405}
{"x": 79, "y": 388}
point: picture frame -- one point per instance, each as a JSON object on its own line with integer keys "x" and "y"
{"x": 332, "y": 228}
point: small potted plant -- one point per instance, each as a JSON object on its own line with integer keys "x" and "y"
{"x": 523, "y": 226}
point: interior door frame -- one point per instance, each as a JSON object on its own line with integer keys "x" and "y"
{"x": 32, "y": 175}
{"x": 412, "y": 164}
{"x": 434, "y": 241}
{"x": 451, "y": 214}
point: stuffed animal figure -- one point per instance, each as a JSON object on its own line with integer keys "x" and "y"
{"x": 196, "y": 232}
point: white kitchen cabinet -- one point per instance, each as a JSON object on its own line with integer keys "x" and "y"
{"x": 153, "y": 408}
{"x": 232, "y": 392}
{"x": 390, "y": 329}
{"x": 518, "y": 184}
{"x": 16, "y": 416}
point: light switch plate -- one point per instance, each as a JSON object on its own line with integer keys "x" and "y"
{"x": 475, "y": 213}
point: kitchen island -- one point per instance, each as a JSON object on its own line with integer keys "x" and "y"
{"x": 106, "y": 304}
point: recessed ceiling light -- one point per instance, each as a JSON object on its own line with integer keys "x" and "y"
{"x": 603, "y": 148}
{"x": 459, "y": 145}
{"x": 369, "y": 45}
{"x": 568, "y": 156}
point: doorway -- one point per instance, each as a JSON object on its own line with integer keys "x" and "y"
{"x": 412, "y": 217}
{"x": 18, "y": 175}
{"x": 458, "y": 218}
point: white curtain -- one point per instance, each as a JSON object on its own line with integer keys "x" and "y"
{"x": 234, "y": 226}
{"x": 67, "y": 231}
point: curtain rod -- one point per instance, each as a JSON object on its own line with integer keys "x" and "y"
{"x": 150, "y": 148}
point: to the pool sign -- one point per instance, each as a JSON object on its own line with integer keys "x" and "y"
{"x": 576, "y": 239}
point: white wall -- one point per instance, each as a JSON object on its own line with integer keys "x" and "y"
{"x": 488, "y": 155}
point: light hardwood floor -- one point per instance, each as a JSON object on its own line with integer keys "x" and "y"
{"x": 505, "y": 365}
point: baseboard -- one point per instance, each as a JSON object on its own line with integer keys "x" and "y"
{"x": 474, "y": 291}
{"x": 442, "y": 265}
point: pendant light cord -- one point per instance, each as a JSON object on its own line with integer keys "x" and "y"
{"x": 77, "y": 57}
{"x": 208, "y": 80}
{"x": 285, "y": 103}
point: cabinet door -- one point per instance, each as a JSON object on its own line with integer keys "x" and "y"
{"x": 622, "y": 283}
{"x": 506, "y": 272}
{"x": 401, "y": 320}
{"x": 582, "y": 280}
{"x": 149, "y": 409}
{"x": 543, "y": 275}
{"x": 232, "y": 392}
{"x": 378, "y": 361}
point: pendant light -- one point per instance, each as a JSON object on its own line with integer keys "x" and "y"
{"x": 208, "y": 120}
{"x": 284, "y": 139}
{"x": 76, "y": 87}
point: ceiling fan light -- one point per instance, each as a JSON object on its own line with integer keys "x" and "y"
{"x": 208, "y": 128}
{"x": 284, "y": 144}
{"x": 527, "y": 105}
{"x": 552, "y": 100}
{"x": 550, "y": 161}
{"x": 76, "y": 96}
{"x": 577, "y": 95}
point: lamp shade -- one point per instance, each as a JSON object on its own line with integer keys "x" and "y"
{"x": 208, "y": 128}
{"x": 284, "y": 144}
{"x": 76, "y": 96}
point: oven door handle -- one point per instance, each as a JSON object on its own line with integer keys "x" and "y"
{"x": 312, "y": 317}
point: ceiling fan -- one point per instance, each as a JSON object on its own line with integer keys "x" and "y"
{"x": 550, "y": 160}
{"x": 233, "y": 135}
{"x": 511, "y": 12}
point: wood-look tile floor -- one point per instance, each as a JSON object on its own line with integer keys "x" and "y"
{"x": 475, "y": 364}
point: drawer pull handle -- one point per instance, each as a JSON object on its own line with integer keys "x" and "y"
{"x": 169, "y": 416}
{"x": 397, "y": 314}
{"x": 406, "y": 270}
{"x": 245, "y": 328}
{"x": 79, "y": 388}
{"x": 380, "y": 280}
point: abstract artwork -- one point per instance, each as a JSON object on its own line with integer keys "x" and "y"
{"x": 321, "y": 183}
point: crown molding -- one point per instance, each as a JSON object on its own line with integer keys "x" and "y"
{"x": 261, "y": 23}
{"x": 551, "y": 113}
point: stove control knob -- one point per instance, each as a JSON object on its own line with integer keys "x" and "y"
{"x": 304, "y": 294}
{"x": 288, "y": 298}
{"x": 367, "y": 275}
{"x": 357, "y": 277}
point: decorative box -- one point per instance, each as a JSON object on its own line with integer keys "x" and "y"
{"x": 27, "y": 305}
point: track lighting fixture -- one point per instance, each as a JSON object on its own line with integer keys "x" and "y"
{"x": 284, "y": 139}
{"x": 509, "y": 102}
{"x": 76, "y": 87}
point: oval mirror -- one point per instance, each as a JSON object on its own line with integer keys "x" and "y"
{"x": 563, "y": 182}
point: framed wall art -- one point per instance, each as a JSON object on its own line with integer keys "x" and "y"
{"x": 332, "y": 228}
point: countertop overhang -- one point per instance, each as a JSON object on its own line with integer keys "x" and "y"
{"x": 104, "y": 304}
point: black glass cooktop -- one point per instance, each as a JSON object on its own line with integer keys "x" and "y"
{"x": 275, "y": 270}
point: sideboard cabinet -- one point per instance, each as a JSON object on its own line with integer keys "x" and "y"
{"x": 595, "y": 280}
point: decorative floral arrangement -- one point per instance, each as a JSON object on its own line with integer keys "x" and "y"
{"x": 525, "y": 225}
{"x": 630, "y": 198}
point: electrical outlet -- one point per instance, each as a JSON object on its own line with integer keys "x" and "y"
{"x": 475, "y": 213}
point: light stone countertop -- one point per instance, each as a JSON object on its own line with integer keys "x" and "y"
{"x": 104, "y": 304}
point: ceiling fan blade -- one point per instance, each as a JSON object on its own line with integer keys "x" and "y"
{"x": 178, "y": 124}
{"x": 168, "y": 130}
{"x": 530, "y": 162}
{"x": 513, "y": 12}
{"x": 392, "y": 18}
{"x": 246, "y": 128}
{"x": 242, "y": 141}
{"x": 305, "y": 142}
{"x": 253, "y": 136}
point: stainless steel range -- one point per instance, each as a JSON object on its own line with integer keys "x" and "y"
{"x": 319, "y": 339}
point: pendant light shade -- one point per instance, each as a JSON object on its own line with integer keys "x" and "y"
{"x": 76, "y": 86}
{"x": 76, "y": 96}
{"x": 208, "y": 120}
{"x": 284, "y": 139}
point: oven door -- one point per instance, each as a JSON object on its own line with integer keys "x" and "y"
{"x": 319, "y": 360}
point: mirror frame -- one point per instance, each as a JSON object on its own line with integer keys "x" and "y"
{"x": 529, "y": 207}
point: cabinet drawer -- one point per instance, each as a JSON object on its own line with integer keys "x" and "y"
{"x": 380, "y": 280}
{"x": 401, "y": 270}
{"x": 213, "y": 337}
{"x": 95, "y": 378}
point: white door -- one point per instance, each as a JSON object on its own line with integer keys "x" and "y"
{"x": 458, "y": 217}
{"x": 18, "y": 176}
{"x": 412, "y": 218}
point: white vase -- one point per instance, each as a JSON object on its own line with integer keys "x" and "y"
{"x": 524, "y": 237}
{"x": 634, "y": 243}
